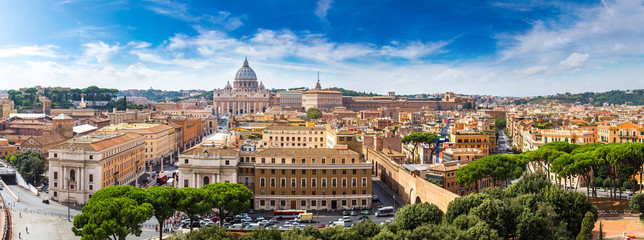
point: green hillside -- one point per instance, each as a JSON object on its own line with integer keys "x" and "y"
{"x": 633, "y": 97}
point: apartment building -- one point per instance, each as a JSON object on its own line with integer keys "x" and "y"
{"x": 159, "y": 138}
{"x": 83, "y": 165}
{"x": 294, "y": 137}
{"x": 6, "y": 148}
{"x": 479, "y": 140}
{"x": 621, "y": 133}
{"x": 310, "y": 178}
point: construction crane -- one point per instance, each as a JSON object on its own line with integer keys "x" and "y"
{"x": 443, "y": 130}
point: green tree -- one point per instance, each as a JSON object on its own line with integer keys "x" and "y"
{"x": 500, "y": 123}
{"x": 113, "y": 218}
{"x": 205, "y": 233}
{"x": 530, "y": 223}
{"x": 472, "y": 173}
{"x": 414, "y": 215}
{"x": 462, "y": 206}
{"x": 137, "y": 194}
{"x": 195, "y": 201}
{"x": 263, "y": 234}
{"x": 313, "y": 113}
{"x": 164, "y": 201}
{"x": 637, "y": 204}
{"x": 229, "y": 198}
{"x": 587, "y": 225}
{"x": 30, "y": 165}
{"x": 600, "y": 235}
{"x": 417, "y": 138}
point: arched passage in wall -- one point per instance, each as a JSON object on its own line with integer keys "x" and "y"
{"x": 418, "y": 200}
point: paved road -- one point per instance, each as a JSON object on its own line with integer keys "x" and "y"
{"x": 29, "y": 202}
{"x": 502, "y": 143}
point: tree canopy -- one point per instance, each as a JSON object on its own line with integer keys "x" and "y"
{"x": 229, "y": 198}
{"x": 417, "y": 138}
{"x": 313, "y": 113}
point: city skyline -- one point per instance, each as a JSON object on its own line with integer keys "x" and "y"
{"x": 500, "y": 48}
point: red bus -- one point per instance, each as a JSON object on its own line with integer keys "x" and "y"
{"x": 287, "y": 214}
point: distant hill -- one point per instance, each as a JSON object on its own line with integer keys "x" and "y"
{"x": 633, "y": 97}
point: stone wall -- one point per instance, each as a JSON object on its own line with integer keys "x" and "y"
{"x": 410, "y": 187}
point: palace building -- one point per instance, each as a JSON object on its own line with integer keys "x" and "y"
{"x": 245, "y": 96}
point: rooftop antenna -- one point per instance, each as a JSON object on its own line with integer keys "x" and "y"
{"x": 318, "y": 76}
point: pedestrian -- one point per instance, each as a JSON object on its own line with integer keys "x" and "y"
{"x": 26, "y": 229}
{"x": 19, "y": 235}
{"x": 20, "y": 215}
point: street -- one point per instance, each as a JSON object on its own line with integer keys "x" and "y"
{"x": 502, "y": 143}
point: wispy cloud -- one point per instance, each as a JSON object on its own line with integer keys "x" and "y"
{"x": 573, "y": 62}
{"x": 98, "y": 52}
{"x": 322, "y": 8}
{"x": 183, "y": 12}
{"x": 29, "y": 51}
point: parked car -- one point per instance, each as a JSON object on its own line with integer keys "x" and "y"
{"x": 321, "y": 226}
{"x": 206, "y": 222}
{"x": 353, "y": 213}
{"x": 260, "y": 218}
{"x": 346, "y": 219}
{"x": 272, "y": 221}
{"x": 345, "y": 213}
{"x": 45, "y": 201}
{"x": 248, "y": 219}
{"x": 263, "y": 222}
{"x": 251, "y": 211}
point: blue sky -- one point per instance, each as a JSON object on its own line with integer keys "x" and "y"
{"x": 504, "y": 48}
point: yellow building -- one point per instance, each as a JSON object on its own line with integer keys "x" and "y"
{"x": 6, "y": 108}
{"x": 160, "y": 139}
{"x": 298, "y": 178}
{"x": 479, "y": 140}
{"x": 294, "y": 137}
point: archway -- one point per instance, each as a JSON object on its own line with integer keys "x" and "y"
{"x": 418, "y": 200}
{"x": 206, "y": 180}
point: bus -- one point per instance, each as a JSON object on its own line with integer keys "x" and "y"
{"x": 287, "y": 214}
{"x": 385, "y": 211}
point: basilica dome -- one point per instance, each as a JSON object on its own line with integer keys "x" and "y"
{"x": 245, "y": 72}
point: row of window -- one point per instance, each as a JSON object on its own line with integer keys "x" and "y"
{"x": 313, "y": 161}
{"x": 313, "y": 171}
{"x": 323, "y": 181}
{"x": 313, "y": 192}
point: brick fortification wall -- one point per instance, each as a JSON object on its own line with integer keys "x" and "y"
{"x": 411, "y": 187}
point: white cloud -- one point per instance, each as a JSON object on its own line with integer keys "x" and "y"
{"x": 136, "y": 44}
{"x": 29, "y": 51}
{"x": 98, "y": 52}
{"x": 609, "y": 32}
{"x": 533, "y": 70}
{"x": 574, "y": 61}
{"x": 413, "y": 50}
{"x": 322, "y": 8}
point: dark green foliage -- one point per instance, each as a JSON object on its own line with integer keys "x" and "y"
{"x": 500, "y": 123}
{"x": 207, "y": 233}
{"x": 414, "y": 215}
{"x": 587, "y": 226}
{"x": 195, "y": 201}
{"x": 313, "y": 113}
{"x": 635, "y": 97}
{"x": 164, "y": 201}
{"x": 463, "y": 205}
{"x": 263, "y": 234}
{"x": 229, "y": 198}
{"x": 417, "y": 138}
{"x": 637, "y": 204}
{"x": 606, "y": 183}
{"x": 627, "y": 184}
{"x": 30, "y": 165}
{"x": 113, "y": 218}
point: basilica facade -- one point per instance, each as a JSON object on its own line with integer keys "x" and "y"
{"x": 246, "y": 95}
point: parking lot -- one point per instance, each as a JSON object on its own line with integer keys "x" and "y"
{"x": 322, "y": 217}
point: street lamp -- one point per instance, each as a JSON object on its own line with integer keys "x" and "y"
{"x": 68, "y": 190}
